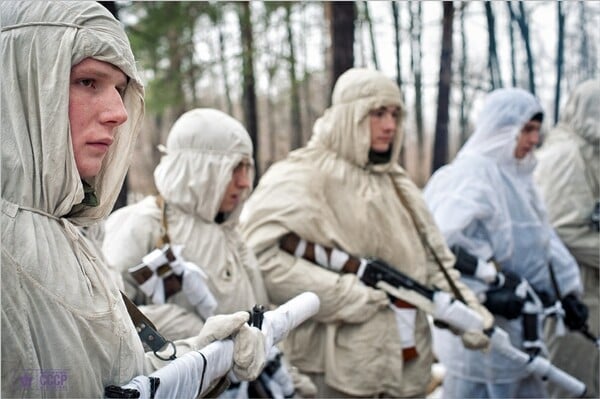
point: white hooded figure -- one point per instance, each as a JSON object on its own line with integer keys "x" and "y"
{"x": 485, "y": 202}
{"x": 71, "y": 108}
{"x": 203, "y": 178}
{"x": 345, "y": 190}
{"x": 567, "y": 174}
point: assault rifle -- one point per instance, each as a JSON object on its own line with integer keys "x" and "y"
{"x": 451, "y": 312}
{"x": 192, "y": 374}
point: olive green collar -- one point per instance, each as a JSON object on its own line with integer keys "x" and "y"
{"x": 89, "y": 195}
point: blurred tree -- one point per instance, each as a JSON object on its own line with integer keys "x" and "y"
{"x": 215, "y": 15}
{"x": 511, "y": 38}
{"x": 248, "y": 82}
{"x": 560, "y": 40}
{"x": 588, "y": 65}
{"x": 415, "y": 10}
{"x": 367, "y": 18}
{"x": 522, "y": 22}
{"x": 493, "y": 64}
{"x": 463, "y": 119}
{"x": 341, "y": 16}
{"x": 397, "y": 30}
{"x": 296, "y": 140}
{"x": 440, "y": 150}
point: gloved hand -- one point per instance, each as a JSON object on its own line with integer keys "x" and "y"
{"x": 576, "y": 312}
{"x": 196, "y": 290}
{"x": 219, "y": 327}
{"x": 504, "y": 301}
{"x": 249, "y": 352}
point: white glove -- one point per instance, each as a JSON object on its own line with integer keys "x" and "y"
{"x": 219, "y": 327}
{"x": 249, "y": 352}
{"x": 486, "y": 271}
{"x": 462, "y": 320}
{"x": 155, "y": 289}
{"x": 455, "y": 313}
{"x": 196, "y": 290}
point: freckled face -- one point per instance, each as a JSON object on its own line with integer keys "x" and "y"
{"x": 383, "y": 122}
{"x": 95, "y": 111}
{"x": 528, "y": 139}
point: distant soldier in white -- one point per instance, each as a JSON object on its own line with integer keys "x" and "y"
{"x": 488, "y": 209}
{"x": 568, "y": 176}
{"x": 203, "y": 179}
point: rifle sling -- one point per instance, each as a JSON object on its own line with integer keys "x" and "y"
{"x": 428, "y": 246}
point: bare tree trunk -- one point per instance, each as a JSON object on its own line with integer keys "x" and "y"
{"x": 342, "y": 15}
{"x": 588, "y": 65}
{"x": 493, "y": 65}
{"x": 193, "y": 72}
{"x": 224, "y": 69}
{"x": 249, "y": 92}
{"x": 463, "y": 117}
{"x": 371, "y": 35}
{"x": 559, "y": 56}
{"x": 440, "y": 151}
{"x": 416, "y": 30}
{"x": 524, "y": 28}
{"x": 396, "y": 15}
{"x": 511, "y": 36}
{"x": 306, "y": 82}
{"x": 295, "y": 115}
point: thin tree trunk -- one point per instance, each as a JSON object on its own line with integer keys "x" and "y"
{"x": 463, "y": 118}
{"x": 493, "y": 65}
{"x": 224, "y": 69}
{"x": 306, "y": 82}
{"x": 559, "y": 56}
{"x": 249, "y": 92}
{"x": 524, "y": 28}
{"x": 371, "y": 35}
{"x": 511, "y": 36}
{"x": 295, "y": 115}
{"x": 440, "y": 151}
{"x": 588, "y": 65}
{"x": 416, "y": 29}
{"x": 396, "y": 15}
{"x": 342, "y": 15}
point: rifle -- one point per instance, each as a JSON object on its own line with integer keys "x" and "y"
{"x": 453, "y": 313}
{"x": 192, "y": 374}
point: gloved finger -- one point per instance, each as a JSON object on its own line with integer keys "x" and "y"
{"x": 220, "y": 327}
{"x": 249, "y": 353}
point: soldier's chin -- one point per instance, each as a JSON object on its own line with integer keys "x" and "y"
{"x": 383, "y": 147}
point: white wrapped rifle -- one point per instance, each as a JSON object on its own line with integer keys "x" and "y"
{"x": 499, "y": 340}
{"x": 192, "y": 374}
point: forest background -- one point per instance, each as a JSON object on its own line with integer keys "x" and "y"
{"x": 272, "y": 65}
